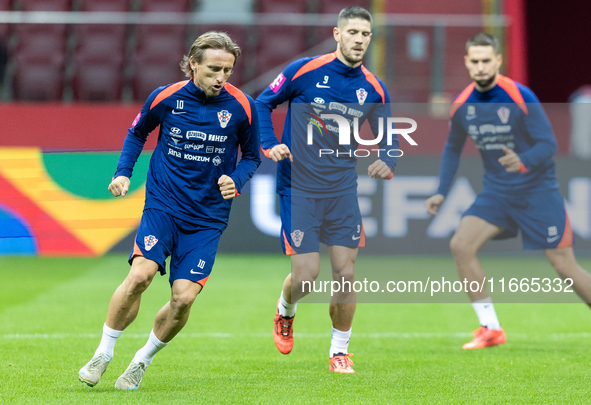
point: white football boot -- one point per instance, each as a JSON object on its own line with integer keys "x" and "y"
{"x": 132, "y": 377}
{"x": 91, "y": 373}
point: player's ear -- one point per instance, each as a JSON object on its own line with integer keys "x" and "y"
{"x": 336, "y": 34}
{"x": 499, "y": 60}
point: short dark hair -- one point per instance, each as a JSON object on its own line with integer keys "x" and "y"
{"x": 209, "y": 40}
{"x": 483, "y": 39}
{"x": 354, "y": 12}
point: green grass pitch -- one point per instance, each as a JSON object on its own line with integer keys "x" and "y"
{"x": 52, "y": 311}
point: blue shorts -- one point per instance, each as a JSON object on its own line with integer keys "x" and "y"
{"x": 191, "y": 247}
{"x": 305, "y": 222}
{"x": 541, "y": 216}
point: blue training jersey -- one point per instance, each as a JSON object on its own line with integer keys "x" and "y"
{"x": 198, "y": 142}
{"x": 509, "y": 115}
{"x": 323, "y": 85}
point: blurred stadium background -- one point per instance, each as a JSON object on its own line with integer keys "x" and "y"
{"x": 77, "y": 72}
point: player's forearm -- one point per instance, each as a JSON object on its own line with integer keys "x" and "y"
{"x": 132, "y": 148}
{"x": 450, "y": 161}
{"x": 249, "y": 162}
{"x": 541, "y": 152}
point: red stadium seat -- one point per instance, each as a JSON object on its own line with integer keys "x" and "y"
{"x": 161, "y": 43}
{"x": 38, "y": 82}
{"x": 277, "y": 45}
{"x": 99, "y": 62}
{"x": 282, "y": 6}
{"x": 178, "y": 6}
{"x": 149, "y": 76}
{"x": 45, "y": 5}
{"x": 105, "y": 5}
{"x": 411, "y": 75}
{"x": 97, "y": 82}
{"x": 39, "y": 60}
{"x": 41, "y": 42}
{"x": 335, "y": 6}
{"x": 5, "y": 5}
{"x": 160, "y": 49}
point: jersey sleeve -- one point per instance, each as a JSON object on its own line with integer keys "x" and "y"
{"x": 450, "y": 160}
{"x": 540, "y": 131}
{"x": 145, "y": 122}
{"x": 280, "y": 90}
{"x": 383, "y": 110}
{"x": 248, "y": 138}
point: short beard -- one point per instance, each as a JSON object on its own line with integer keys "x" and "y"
{"x": 485, "y": 83}
{"x": 350, "y": 60}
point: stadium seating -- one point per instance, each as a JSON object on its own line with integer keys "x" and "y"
{"x": 335, "y": 6}
{"x": 99, "y": 62}
{"x": 40, "y": 55}
{"x": 38, "y": 82}
{"x": 45, "y": 5}
{"x": 150, "y": 76}
{"x": 411, "y": 75}
{"x": 105, "y": 5}
{"x": 5, "y": 5}
{"x": 177, "y": 6}
{"x": 282, "y": 6}
{"x": 159, "y": 51}
{"x": 277, "y": 45}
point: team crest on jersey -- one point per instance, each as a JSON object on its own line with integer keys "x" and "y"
{"x": 150, "y": 241}
{"x": 224, "y": 116}
{"x": 361, "y": 96}
{"x": 297, "y": 237}
{"x": 503, "y": 114}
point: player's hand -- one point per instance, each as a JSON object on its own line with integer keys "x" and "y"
{"x": 378, "y": 170}
{"x": 227, "y": 187}
{"x": 433, "y": 203}
{"x": 280, "y": 152}
{"x": 119, "y": 186}
{"x": 510, "y": 161}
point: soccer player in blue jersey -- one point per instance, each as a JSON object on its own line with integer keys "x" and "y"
{"x": 318, "y": 192}
{"x": 193, "y": 176}
{"x": 516, "y": 142}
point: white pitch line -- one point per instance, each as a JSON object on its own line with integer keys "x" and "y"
{"x": 410, "y": 335}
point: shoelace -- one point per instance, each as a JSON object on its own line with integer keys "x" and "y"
{"x": 96, "y": 361}
{"x": 344, "y": 361}
{"x": 134, "y": 376}
{"x": 285, "y": 325}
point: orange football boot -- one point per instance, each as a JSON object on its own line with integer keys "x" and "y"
{"x": 341, "y": 363}
{"x": 283, "y": 332}
{"x": 484, "y": 337}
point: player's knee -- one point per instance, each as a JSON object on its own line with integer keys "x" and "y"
{"x": 346, "y": 273}
{"x": 137, "y": 281}
{"x": 299, "y": 277}
{"x": 182, "y": 302}
{"x": 459, "y": 246}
